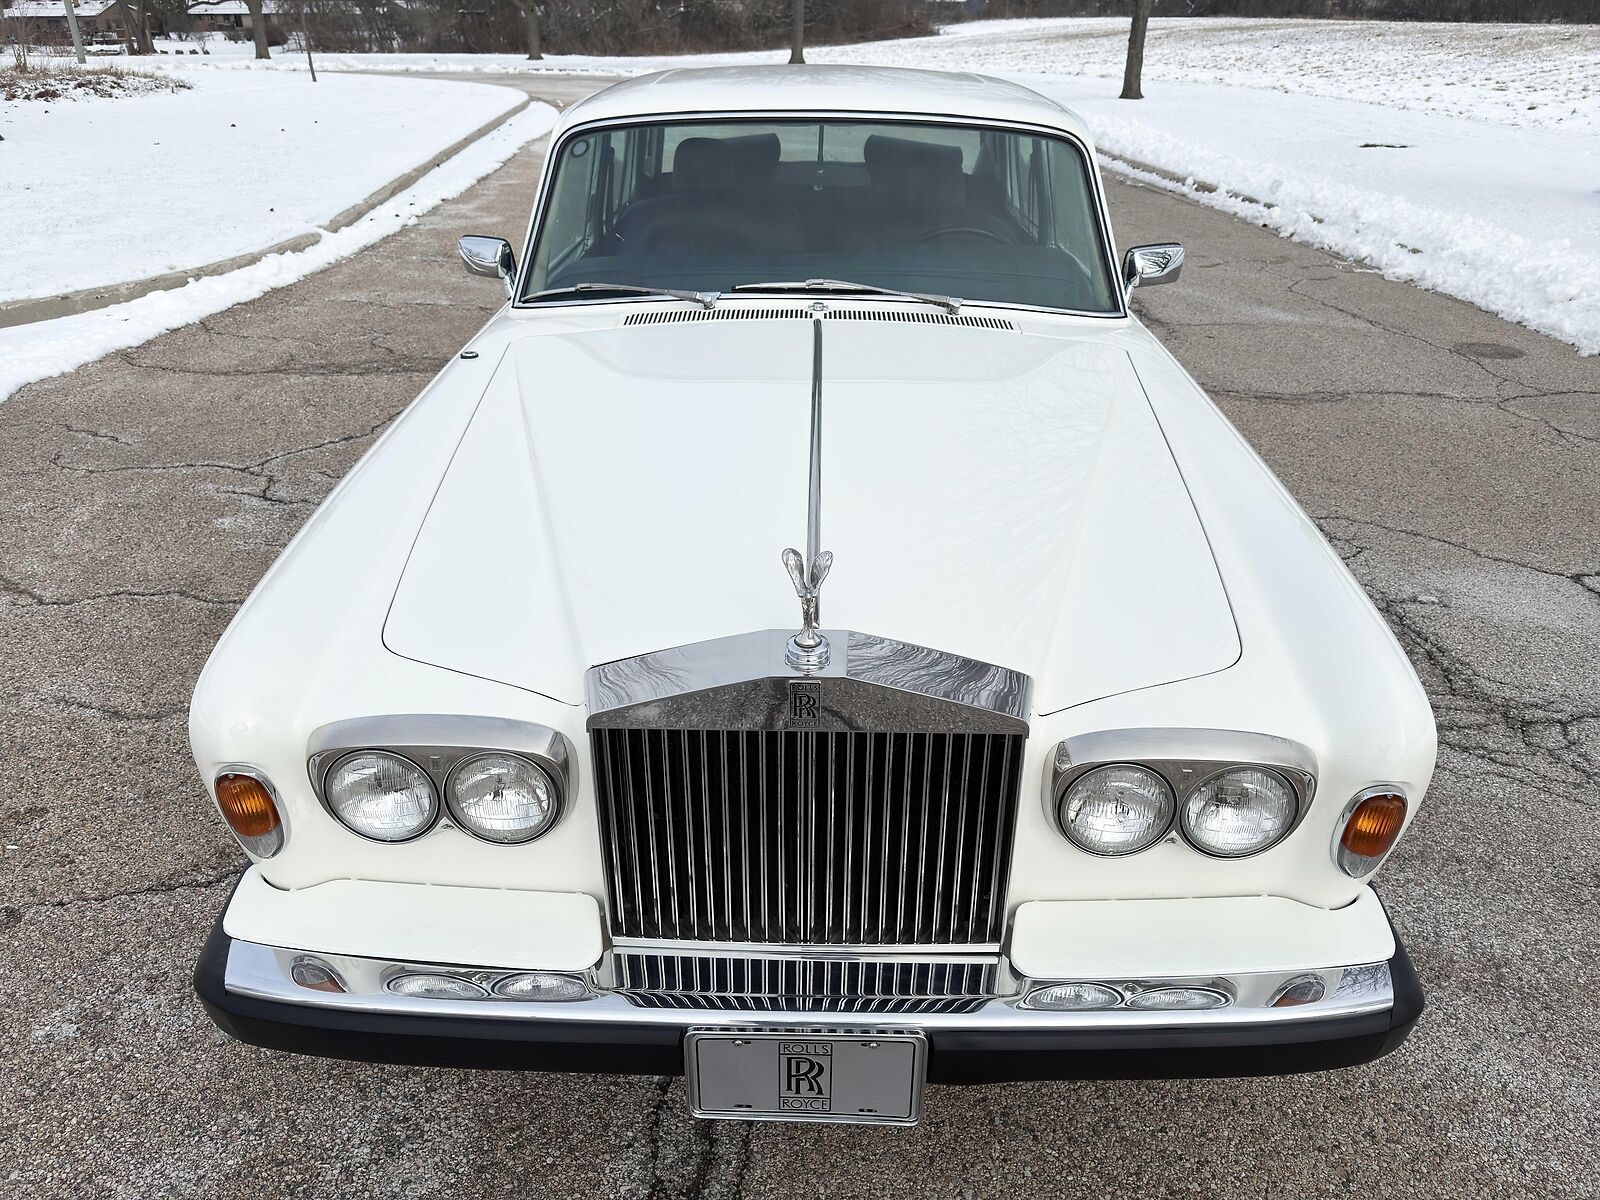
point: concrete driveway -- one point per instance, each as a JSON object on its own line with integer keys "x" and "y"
{"x": 1451, "y": 457}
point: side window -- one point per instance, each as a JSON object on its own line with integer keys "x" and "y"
{"x": 568, "y": 230}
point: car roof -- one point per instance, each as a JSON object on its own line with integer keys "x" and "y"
{"x": 810, "y": 89}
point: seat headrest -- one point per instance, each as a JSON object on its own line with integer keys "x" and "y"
{"x": 919, "y": 174}
{"x": 705, "y": 164}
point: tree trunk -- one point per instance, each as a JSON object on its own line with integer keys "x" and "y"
{"x": 258, "y": 27}
{"x": 1133, "y": 73}
{"x": 128, "y": 43}
{"x": 797, "y": 41}
{"x": 530, "y": 18}
{"x": 142, "y": 28}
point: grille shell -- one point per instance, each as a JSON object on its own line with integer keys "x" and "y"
{"x": 829, "y": 837}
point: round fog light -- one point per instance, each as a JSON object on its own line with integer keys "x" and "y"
{"x": 436, "y": 987}
{"x": 542, "y": 985}
{"x": 1168, "y": 999}
{"x": 1074, "y": 997}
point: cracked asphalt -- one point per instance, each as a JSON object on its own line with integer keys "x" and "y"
{"x": 1451, "y": 457}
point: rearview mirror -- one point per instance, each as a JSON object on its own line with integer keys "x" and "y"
{"x": 489, "y": 256}
{"x": 1150, "y": 265}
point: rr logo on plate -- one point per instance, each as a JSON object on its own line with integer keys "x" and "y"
{"x": 805, "y": 1077}
{"x": 805, "y": 704}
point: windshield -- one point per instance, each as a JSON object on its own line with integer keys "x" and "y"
{"x": 954, "y": 210}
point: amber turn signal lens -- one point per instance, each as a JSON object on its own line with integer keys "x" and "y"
{"x": 1370, "y": 831}
{"x": 246, "y": 805}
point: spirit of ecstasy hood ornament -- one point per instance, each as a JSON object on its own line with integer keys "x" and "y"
{"x": 808, "y": 649}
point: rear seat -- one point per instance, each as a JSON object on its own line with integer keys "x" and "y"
{"x": 723, "y": 197}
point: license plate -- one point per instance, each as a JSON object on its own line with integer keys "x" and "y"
{"x": 787, "y": 1075}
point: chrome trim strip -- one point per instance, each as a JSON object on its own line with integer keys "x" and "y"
{"x": 998, "y": 698}
{"x": 263, "y": 972}
{"x": 973, "y": 953}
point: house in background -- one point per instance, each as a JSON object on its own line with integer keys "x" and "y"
{"x": 44, "y": 22}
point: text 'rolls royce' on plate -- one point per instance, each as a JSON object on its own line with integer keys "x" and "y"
{"x": 815, "y": 641}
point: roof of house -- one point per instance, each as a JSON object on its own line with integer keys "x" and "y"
{"x": 36, "y": 9}
{"x": 809, "y": 89}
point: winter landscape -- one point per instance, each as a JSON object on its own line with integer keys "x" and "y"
{"x": 229, "y": 266}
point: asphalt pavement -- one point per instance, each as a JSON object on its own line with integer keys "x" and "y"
{"x": 1451, "y": 457}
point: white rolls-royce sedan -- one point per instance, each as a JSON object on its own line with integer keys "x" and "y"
{"x": 816, "y": 641}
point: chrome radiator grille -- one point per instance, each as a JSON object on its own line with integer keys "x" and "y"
{"x": 819, "y": 838}
{"x": 803, "y": 984}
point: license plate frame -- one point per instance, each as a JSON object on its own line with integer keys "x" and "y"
{"x": 854, "y": 1076}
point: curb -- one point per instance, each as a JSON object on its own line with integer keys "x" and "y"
{"x": 46, "y": 308}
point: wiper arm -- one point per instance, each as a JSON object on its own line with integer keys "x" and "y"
{"x": 703, "y": 299}
{"x": 950, "y": 304}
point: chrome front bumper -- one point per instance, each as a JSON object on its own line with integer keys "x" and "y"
{"x": 250, "y": 991}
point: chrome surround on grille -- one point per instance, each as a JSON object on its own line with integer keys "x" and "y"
{"x": 870, "y": 683}
{"x": 740, "y": 797}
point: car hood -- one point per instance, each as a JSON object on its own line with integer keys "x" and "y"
{"x": 991, "y": 493}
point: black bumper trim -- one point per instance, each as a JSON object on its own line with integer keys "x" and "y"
{"x": 955, "y": 1056}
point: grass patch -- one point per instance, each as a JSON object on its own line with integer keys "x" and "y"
{"x": 36, "y": 81}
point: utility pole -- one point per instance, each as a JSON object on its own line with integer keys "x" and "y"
{"x": 305, "y": 36}
{"x": 797, "y": 42}
{"x": 77, "y": 39}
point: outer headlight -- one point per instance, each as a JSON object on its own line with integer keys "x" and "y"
{"x": 1239, "y": 812}
{"x": 1115, "y": 810}
{"x": 503, "y": 797}
{"x": 381, "y": 795}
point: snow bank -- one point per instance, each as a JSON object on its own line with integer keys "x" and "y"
{"x": 102, "y": 191}
{"x": 46, "y": 348}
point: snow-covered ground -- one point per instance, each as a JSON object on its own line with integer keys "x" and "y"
{"x": 100, "y": 191}
{"x": 45, "y": 348}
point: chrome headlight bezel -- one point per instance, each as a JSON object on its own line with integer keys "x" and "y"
{"x": 1186, "y": 759}
{"x": 436, "y": 745}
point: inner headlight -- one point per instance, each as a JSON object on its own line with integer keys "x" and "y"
{"x": 1239, "y": 812}
{"x": 1118, "y": 809}
{"x": 503, "y": 797}
{"x": 381, "y": 795}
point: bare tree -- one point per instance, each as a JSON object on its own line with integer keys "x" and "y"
{"x": 530, "y": 24}
{"x": 1132, "y": 74}
{"x": 797, "y": 41}
{"x": 258, "y": 26}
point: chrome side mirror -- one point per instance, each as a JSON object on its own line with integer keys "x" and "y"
{"x": 489, "y": 256}
{"x": 1150, "y": 265}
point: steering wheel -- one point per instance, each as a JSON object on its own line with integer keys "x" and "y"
{"x": 961, "y": 231}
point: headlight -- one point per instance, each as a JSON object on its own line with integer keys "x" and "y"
{"x": 503, "y": 797}
{"x": 1242, "y": 811}
{"x": 1116, "y": 810}
{"x": 381, "y": 795}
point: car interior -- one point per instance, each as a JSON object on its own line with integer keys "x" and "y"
{"x": 684, "y": 207}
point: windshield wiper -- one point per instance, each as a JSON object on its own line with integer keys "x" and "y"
{"x": 703, "y": 299}
{"x": 950, "y": 304}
